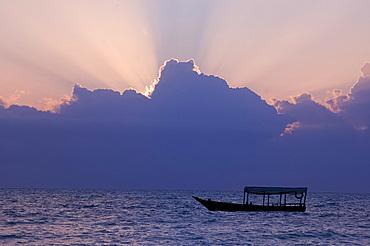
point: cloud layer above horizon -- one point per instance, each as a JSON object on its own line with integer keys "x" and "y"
{"x": 194, "y": 131}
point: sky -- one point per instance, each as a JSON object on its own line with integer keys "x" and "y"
{"x": 276, "y": 48}
{"x": 185, "y": 94}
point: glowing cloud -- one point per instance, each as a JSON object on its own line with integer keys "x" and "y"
{"x": 366, "y": 70}
{"x": 290, "y": 128}
{"x": 354, "y": 106}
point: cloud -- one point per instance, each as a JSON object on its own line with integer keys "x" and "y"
{"x": 354, "y": 107}
{"x": 341, "y": 111}
{"x": 52, "y": 105}
{"x": 2, "y": 103}
{"x": 291, "y": 127}
{"x": 23, "y": 113}
{"x": 16, "y": 96}
{"x": 194, "y": 131}
{"x": 183, "y": 96}
{"x": 309, "y": 114}
{"x": 103, "y": 103}
{"x": 365, "y": 69}
{"x": 13, "y": 98}
{"x": 184, "y": 93}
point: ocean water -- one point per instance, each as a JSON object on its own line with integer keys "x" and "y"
{"x": 152, "y": 217}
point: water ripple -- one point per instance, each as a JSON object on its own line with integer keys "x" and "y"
{"x": 121, "y": 217}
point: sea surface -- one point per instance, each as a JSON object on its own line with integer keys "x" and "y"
{"x": 154, "y": 217}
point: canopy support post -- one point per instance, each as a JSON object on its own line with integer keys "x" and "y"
{"x": 244, "y": 197}
{"x": 284, "y": 199}
{"x": 280, "y": 198}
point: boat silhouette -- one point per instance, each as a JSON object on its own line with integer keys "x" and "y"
{"x": 298, "y": 206}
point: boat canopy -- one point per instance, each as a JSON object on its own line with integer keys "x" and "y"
{"x": 274, "y": 190}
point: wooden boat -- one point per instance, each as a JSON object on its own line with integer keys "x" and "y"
{"x": 297, "y": 193}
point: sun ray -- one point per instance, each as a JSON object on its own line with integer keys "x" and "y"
{"x": 277, "y": 49}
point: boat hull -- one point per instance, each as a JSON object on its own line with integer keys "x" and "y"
{"x": 232, "y": 207}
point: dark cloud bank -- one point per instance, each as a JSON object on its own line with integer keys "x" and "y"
{"x": 195, "y": 132}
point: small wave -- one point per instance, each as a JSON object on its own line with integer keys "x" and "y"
{"x": 210, "y": 221}
{"x": 332, "y": 204}
{"x": 328, "y": 233}
{"x": 329, "y": 215}
{"x": 171, "y": 198}
{"x": 107, "y": 224}
{"x": 33, "y": 214}
{"x": 7, "y": 236}
{"x": 89, "y": 206}
{"x": 319, "y": 206}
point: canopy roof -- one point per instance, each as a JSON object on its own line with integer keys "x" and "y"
{"x": 274, "y": 190}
